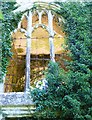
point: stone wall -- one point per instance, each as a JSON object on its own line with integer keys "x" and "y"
{"x": 16, "y": 105}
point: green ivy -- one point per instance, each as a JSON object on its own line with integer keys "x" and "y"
{"x": 1, "y": 15}
{"x": 69, "y": 93}
{"x": 9, "y": 23}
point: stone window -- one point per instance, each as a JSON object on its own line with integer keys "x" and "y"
{"x": 37, "y": 40}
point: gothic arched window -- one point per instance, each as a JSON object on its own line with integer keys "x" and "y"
{"x": 37, "y": 40}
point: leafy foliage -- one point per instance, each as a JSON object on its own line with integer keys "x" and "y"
{"x": 9, "y": 23}
{"x": 1, "y": 15}
{"x": 49, "y": 102}
{"x": 69, "y": 95}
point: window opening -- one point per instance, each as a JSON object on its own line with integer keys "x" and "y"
{"x": 40, "y": 54}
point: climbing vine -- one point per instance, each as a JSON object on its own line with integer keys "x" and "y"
{"x": 9, "y": 23}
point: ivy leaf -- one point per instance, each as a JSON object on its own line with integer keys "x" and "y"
{"x": 1, "y": 15}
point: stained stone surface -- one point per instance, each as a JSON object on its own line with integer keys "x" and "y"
{"x": 19, "y": 98}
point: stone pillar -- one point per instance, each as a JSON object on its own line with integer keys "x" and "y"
{"x": 52, "y": 54}
{"x": 1, "y": 87}
{"x": 50, "y": 23}
{"x": 50, "y": 26}
{"x": 28, "y": 49}
{"x": 2, "y": 84}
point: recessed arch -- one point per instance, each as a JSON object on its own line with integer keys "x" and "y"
{"x": 35, "y": 18}
{"x": 23, "y": 22}
{"x": 47, "y": 29}
{"x": 45, "y": 17}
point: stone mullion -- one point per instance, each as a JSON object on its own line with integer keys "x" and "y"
{"x": 28, "y": 49}
{"x": 51, "y": 37}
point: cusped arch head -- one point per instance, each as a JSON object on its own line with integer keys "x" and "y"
{"x": 53, "y": 7}
{"x": 40, "y": 25}
{"x": 56, "y": 7}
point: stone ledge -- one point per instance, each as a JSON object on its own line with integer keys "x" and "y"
{"x": 16, "y": 104}
{"x": 15, "y": 98}
{"x": 18, "y": 111}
